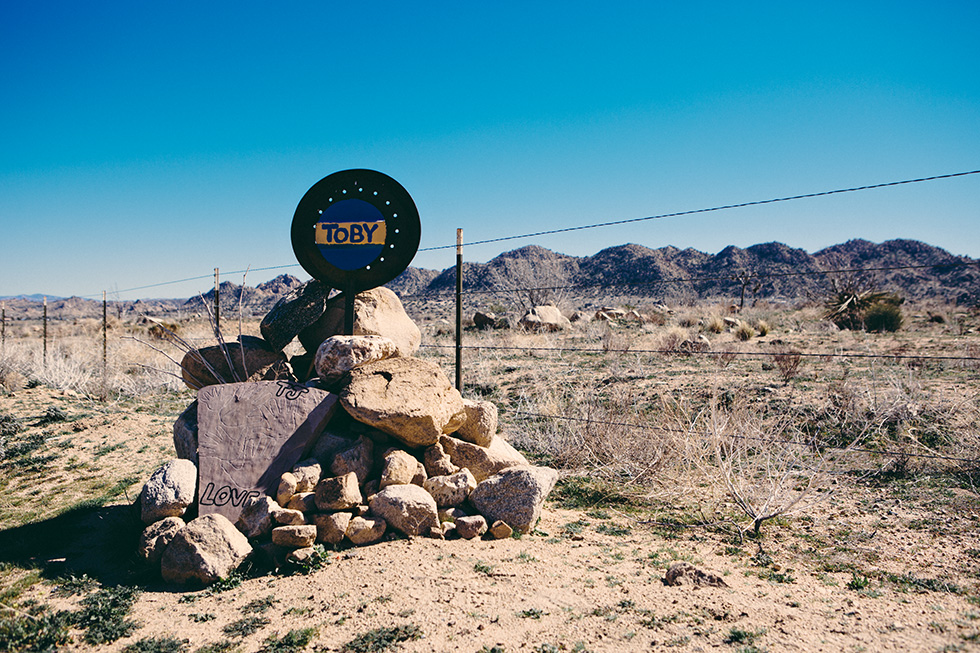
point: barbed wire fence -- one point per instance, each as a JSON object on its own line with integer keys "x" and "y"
{"x": 628, "y": 286}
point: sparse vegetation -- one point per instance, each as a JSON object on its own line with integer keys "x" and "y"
{"x": 382, "y": 639}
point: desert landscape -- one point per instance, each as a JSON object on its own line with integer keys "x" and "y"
{"x": 819, "y": 481}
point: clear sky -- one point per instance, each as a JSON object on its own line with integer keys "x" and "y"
{"x": 147, "y": 142}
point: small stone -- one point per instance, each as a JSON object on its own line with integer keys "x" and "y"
{"x": 407, "y": 508}
{"x": 435, "y": 533}
{"x": 287, "y": 517}
{"x": 450, "y": 514}
{"x": 684, "y": 573}
{"x": 296, "y": 537}
{"x": 338, "y": 355}
{"x": 437, "y": 461}
{"x": 255, "y": 519}
{"x": 302, "y": 501}
{"x": 470, "y": 527}
{"x": 300, "y": 556}
{"x": 307, "y": 473}
{"x": 358, "y": 459}
{"x": 169, "y": 491}
{"x": 331, "y": 527}
{"x": 366, "y": 530}
{"x": 481, "y": 422}
{"x": 450, "y": 490}
{"x": 449, "y": 530}
{"x": 157, "y": 536}
{"x": 400, "y": 468}
{"x": 338, "y": 492}
{"x": 287, "y": 488}
{"x": 500, "y": 530}
{"x": 361, "y": 510}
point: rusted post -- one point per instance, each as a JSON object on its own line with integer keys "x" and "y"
{"x": 217, "y": 319}
{"x": 105, "y": 338}
{"x": 44, "y": 334}
{"x": 459, "y": 310}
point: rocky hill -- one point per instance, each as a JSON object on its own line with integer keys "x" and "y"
{"x": 911, "y": 268}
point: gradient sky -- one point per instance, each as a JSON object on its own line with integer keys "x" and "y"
{"x": 147, "y": 142}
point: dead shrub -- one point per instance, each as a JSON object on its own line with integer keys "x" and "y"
{"x": 714, "y": 324}
{"x": 787, "y": 361}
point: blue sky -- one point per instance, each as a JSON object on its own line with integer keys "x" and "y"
{"x": 147, "y": 142}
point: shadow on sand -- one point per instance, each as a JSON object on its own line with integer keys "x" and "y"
{"x": 99, "y": 541}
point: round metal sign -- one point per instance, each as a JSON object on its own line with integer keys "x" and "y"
{"x": 355, "y": 230}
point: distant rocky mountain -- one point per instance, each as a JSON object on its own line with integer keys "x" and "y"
{"x": 770, "y": 270}
{"x": 911, "y": 268}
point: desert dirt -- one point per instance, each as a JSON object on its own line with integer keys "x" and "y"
{"x": 883, "y": 563}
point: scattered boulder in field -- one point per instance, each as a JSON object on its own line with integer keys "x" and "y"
{"x": 481, "y": 422}
{"x": 485, "y": 321}
{"x": 338, "y": 355}
{"x": 407, "y": 508}
{"x": 185, "y": 433}
{"x": 296, "y": 537}
{"x": 408, "y": 398}
{"x": 253, "y": 359}
{"x": 449, "y": 491}
{"x": 157, "y": 536}
{"x": 208, "y": 548}
{"x": 366, "y": 530}
{"x": 482, "y": 461}
{"x": 544, "y": 319}
{"x": 470, "y": 527}
{"x": 515, "y": 496}
{"x": 377, "y": 312}
{"x": 255, "y": 519}
{"x": 169, "y": 491}
{"x": 293, "y": 313}
{"x": 338, "y": 492}
{"x": 331, "y": 527}
{"x": 684, "y": 573}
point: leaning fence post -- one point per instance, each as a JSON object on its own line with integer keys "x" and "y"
{"x": 3, "y": 327}
{"x": 459, "y": 310}
{"x": 217, "y": 319}
{"x": 44, "y": 334}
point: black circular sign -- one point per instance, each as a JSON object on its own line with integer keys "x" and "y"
{"x": 356, "y": 229}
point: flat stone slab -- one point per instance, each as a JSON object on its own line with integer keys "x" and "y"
{"x": 249, "y": 435}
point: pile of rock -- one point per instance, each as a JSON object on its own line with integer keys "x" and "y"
{"x": 378, "y": 441}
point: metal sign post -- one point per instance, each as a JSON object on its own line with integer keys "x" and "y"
{"x": 355, "y": 230}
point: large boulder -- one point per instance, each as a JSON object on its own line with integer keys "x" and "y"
{"x": 338, "y": 355}
{"x": 481, "y": 422}
{"x": 169, "y": 491}
{"x": 544, "y": 318}
{"x": 377, "y": 312}
{"x": 407, "y": 508}
{"x": 483, "y": 462}
{"x": 293, "y": 313}
{"x": 208, "y": 548}
{"x": 409, "y": 398}
{"x": 185, "y": 433}
{"x": 514, "y": 496}
{"x": 255, "y": 519}
{"x": 253, "y": 359}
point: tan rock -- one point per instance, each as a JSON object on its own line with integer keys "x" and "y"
{"x": 255, "y": 519}
{"x": 287, "y": 488}
{"x": 544, "y": 318}
{"x": 302, "y": 501}
{"x": 301, "y": 556}
{"x": 408, "y": 398}
{"x": 482, "y": 462}
{"x": 366, "y": 530}
{"x": 287, "y": 517}
{"x": 470, "y": 527}
{"x": 338, "y": 355}
{"x": 296, "y": 537}
{"x": 481, "y": 422}
{"x": 331, "y": 527}
{"x": 451, "y": 490}
{"x": 208, "y": 548}
{"x": 377, "y": 312}
{"x": 407, "y": 508}
{"x": 437, "y": 462}
{"x": 500, "y": 530}
{"x": 307, "y": 473}
{"x": 400, "y": 468}
{"x": 157, "y": 536}
{"x": 338, "y": 492}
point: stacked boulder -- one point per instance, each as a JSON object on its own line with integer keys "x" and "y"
{"x": 389, "y": 446}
